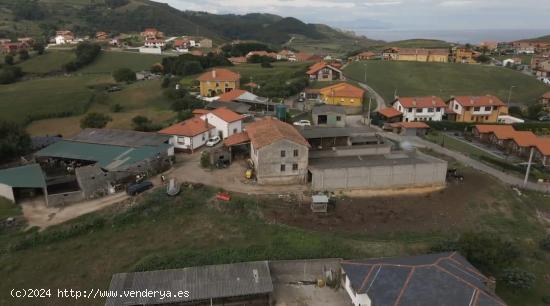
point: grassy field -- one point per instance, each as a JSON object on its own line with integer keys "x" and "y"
{"x": 160, "y": 232}
{"x": 280, "y": 70}
{"x": 525, "y": 58}
{"x": 49, "y": 62}
{"x": 445, "y": 80}
{"x": 413, "y": 43}
{"x": 107, "y": 62}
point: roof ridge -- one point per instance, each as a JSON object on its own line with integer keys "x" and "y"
{"x": 366, "y": 278}
{"x": 405, "y": 285}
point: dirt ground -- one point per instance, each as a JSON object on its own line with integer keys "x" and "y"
{"x": 434, "y": 211}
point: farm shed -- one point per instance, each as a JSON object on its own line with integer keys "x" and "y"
{"x": 247, "y": 283}
{"x": 18, "y": 180}
{"x": 397, "y": 170}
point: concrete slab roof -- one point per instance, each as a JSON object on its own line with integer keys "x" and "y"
{"x": 124, "y": 138}
{"x": 202, "y": 283}
{"x": 370, "y": 161}
{"x": 28, "y": 176}
{"x": 109, "y": 157}
{"x": 311, "y": 132}
{"x": 328, "y": 108}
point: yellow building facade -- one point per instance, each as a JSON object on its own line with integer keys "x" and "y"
{"x": 218, "y": 81}
{"x": 342, "y": 94}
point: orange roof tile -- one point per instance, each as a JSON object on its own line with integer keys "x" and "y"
{"x": 231, "y": 95}
{"x": 267, "y": 131}
{"x": 190, "y": 127}
{"x": 238, "y": 59}
{"x": 546, "y": 95}
{"x": 236, "y": 139}
{"x": 226, "y": 114}
{"x": 343, "y": 90}
{"x": 219, "y": 75}
{"x": 489, "y": 128}
{"x": 390, "y": 112}
{"x": 318, "y": 66}
{"x": 421, "y": 102}
{"x": 543, "y": 145}
{"x": 200, "y": 111}
{"x": 525, "y": 138}
{"x": 411, "y": 125}
{"x": 487, "y": 100}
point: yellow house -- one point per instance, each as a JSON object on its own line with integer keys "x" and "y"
{"x": 342, "y": 94}
{"x": 417, "y": 55}
{"x": 464, "y": 56}
{"x": 483, "y": 109}
{"x": 218, "y": 81}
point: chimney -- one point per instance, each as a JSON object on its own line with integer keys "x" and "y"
{"x": 214, "y": 73}
{"x": 205, "y": 121}
{"x": 491, "y": 284}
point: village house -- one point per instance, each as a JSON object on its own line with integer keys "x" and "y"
{"x": 489, "y": 45}
{"x": 218, "y": 81}
{"x": 545, "y": 99}
{"x": 434, "y": 279}
{"x": 278, "y": 151}
{"x": 101, "y": 36}
{"x": 225, "y": 121}
{"x": 13, "y": 47}
{"x": 306, "y": 57}
{"x": 154, "y": 43}
{"x": 485, "y": 109}
{"x": 390, "y": 115}
{"x": 510, "y": 62}
{"x": 286, "y": 55}
{"x": 190, "y": 134}
{"x": 409, "y": 128}
{"x": 64, "y": 37}
{"x": 416, "y": 55}
{"x": 4, "y": 41}
{"x": 524, "y": 47}
{"x": 343, "y": 94}
{"x": 363, "y": 56}
{"x": 542, "y": 71}
{"x": 237, "y": 60}
{"x": 536, "y": 60}
{"x": 420, "y": 108}
{"x": 329, "y": 115}
{"x": 205, "y": 43}
{"x": 323, "y": 71}
{"x": 463, "y": 55}
{"x": 152, "y": 33}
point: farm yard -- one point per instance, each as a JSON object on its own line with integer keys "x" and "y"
{"x": 445, "y": 80}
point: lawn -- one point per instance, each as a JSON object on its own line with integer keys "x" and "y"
{"x": 47, "y": 97}
{"x": 160, "y": 232}
{"x": 107, "y": 62}
{"x": 51, "y": 61}
{"x": 445, "y": 80}
{"x": 280, "y": 70}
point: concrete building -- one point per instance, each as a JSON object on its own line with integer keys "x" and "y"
{"x": 416, "y": 55}
{"x": 247, "y": 283}
{"x": 434, "y": 279}
{"x": 329, "y": 115}
{"x": 420, "y": 108}
{"x": 396, "y": 170}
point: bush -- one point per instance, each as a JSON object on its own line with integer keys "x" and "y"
{"x": 24, "y": 55}
{"x": 141, "y": 123}
{"x": 544, "y": 244}
{"x": 8, "y": 59}
{"x": 14, "y": 141}
{"x": 518, "y": 279}
{"x": 205, "y": 160}
{"x": 124, "y": 75}
{"x": 86, "y": 53}
{"x": 95, "y": 120}
{"x": 157, "y": 68}
{"x": 10, "y": 74}
{"x": 184, "y": 115}
{"x": 116, "y": 108}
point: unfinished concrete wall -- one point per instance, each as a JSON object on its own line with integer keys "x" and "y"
{"x": 64, "y": 199}
{"x": 380, "y": 177}
{"x": 269, "y": 161}
{"x": 288, "y": 271}
{"x": 93, "y": 181}
{"x": 7, "y": 192}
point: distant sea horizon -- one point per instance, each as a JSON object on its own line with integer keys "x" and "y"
{"x": 457, "y": 36}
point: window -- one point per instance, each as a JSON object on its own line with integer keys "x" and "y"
{"x": 438, "y": 109}
{"x": 430, "y": 110}
{"x": 477, "y": 109}
{"x": 294, "y": 167}
{"x": 456, "y": 106}
{"x": 217, "y": 84}
{"x": 234, "y": 131}
{"x": 419, "y": 110}
{"x": 283, "y": 153}
{"x": 488, "y": 108}
{"x": 295, "y": 153}
{"x": 203, "y": 138}
{"x": 338, "y": 118}
{"x": 283, "y": 168}
{"x": 410, "y": 110}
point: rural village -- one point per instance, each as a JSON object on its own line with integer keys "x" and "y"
{"x": 194, "y": 170}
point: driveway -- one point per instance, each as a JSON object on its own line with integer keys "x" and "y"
{"x": 502, "y": 176}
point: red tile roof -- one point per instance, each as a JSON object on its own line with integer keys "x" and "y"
{"x": 343, "y": 90}
{"x": 267, "y": 131}
{"x": 219, "y": 75}
{"x": 487, "y": 100}
{"x": 200, "y": 111}
{"x": 226, "y": 114}
{"x": 232, "y": 95}
{"x": 421, "y": 102}
{"x": 190, "y": 127}
{"x": 318, "y": 66}
{"x": 489, "y": 128}
{"x": 236, "y": 139}
{"x": 546, "y": 95}
{"x": 238, "y": 59}
{"x": 525, "y": 138}
{"x": 390, "y": 112}
{"x": 543, "y": 145}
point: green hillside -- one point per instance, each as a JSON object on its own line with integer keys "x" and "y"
{"x": 445, "y": 80}
{"x": 107, "y": 62}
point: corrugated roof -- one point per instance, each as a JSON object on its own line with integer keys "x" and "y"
{"x": 28, "y": 176}
{"x": 318, "y": 66}
{"x": 109, "y": 157}
{"x": 232, "y": 95}
{"x": 490, "y": 128}
{"x": 543, "y": 145}
{"x": 237, "y": 107}
{"x": 267, "y": 131}
{"x": 202, "y": 283}
{"x": 328, "y": 108}
{"x": 125, "y": 138}
{"x": 435, "y": 279}
{"x": 235, "y": 139}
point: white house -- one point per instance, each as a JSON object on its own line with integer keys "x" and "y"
{"x": 155, "y": 43}
{"x": 64, "y": 37}
{"x": 190, "y": 134}
{"x": 420, "y": 108}
{"x": 225, "y": 121}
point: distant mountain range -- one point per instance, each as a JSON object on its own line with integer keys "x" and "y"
{"x": 42, "y": 17}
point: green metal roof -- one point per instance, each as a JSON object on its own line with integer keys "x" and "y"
{"x": 28, "y": 176}
{"x": 109, "y": 157}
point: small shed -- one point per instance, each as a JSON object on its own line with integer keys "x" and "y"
{"x": 414, "y": 128}
{"x": 319, "y": 203}
{"x": 329, "y": 115}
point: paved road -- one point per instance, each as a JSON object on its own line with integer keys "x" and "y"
{"x": 380, "y": 103}
{"x": 502, "y": 176}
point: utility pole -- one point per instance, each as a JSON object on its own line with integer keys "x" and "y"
{"x": 526, "y": 180}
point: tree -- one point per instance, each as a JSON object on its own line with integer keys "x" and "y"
{"x": 185, "y": 114}
{"x": 141, "y": 123}
{"x": 28, "y": 10}
{"x": 124, "y": 75}
{"x": 95, "y": 120}
{"x": 518, "y": 279}
{"x": 192, "y": 67}
{"x": 39, "y": 47}
{"x": 24, "y": 55}
{"x": 10, "y": 74}
{"x": 8, "y": 59}
{"x": 483, "y": 58}
{"x": 534, "y": 110}
{"x": 157, "y": 68}
{"x": 116, "y": 3}
{"x": 14, "y": 141}
{"x": 86, "y": 53}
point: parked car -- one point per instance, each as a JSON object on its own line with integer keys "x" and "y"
{"x": 213, "y": 141}
{"x": 139, "y": 188}
{"x": 302, "y": 123}
{"x": 544, "y": 118}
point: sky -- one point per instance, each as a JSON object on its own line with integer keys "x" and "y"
{"x": 392, "y": 14}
